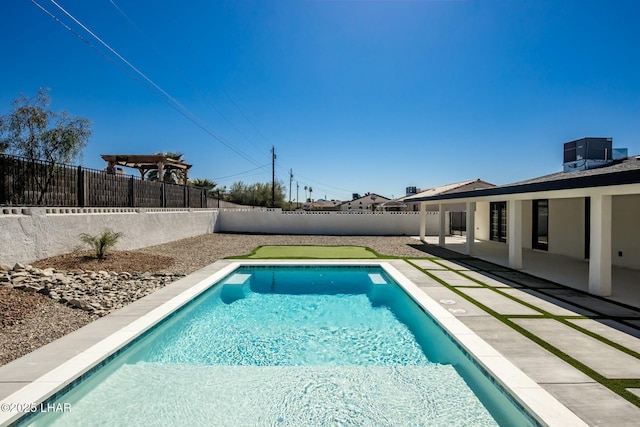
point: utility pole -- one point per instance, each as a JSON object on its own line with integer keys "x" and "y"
{"x": 290, "y": 180}
{"x": 273, "y": 177}
{"x": 297, "y": 195}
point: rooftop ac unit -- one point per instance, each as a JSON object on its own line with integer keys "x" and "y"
{"x": 587, "y": 153}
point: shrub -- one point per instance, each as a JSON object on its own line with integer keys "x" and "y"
{"x": 101, "y": 242}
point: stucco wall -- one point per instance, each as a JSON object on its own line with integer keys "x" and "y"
{"x": 274, "y": 221}
{"x": 625, "y": 231}
{"x": 566, "y": 227}
{"x": 28, "y": 234}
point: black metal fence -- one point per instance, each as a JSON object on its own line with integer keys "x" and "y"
{"x": 25, "y": 182}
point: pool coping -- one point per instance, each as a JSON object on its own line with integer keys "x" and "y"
{"x": 37, "y": 376}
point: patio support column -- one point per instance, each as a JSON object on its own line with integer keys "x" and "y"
{"x": 471, "y": 226}
{"x": 423, "y": 221}
{"x": 600, "y": 246}
{"x": 514, "y": 212}
{"x": 441, "y": 218}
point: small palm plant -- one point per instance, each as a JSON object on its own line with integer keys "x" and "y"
{"x": 101, "y": 242}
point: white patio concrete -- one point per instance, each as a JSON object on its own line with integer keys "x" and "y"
{"x": 563, "y": 270}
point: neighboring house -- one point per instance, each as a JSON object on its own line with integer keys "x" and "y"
{"x": 368, "y": 202}
{"x": 584, "y": 214}
{"x": 456, "y": 187}
{"x": 323, "y": 205}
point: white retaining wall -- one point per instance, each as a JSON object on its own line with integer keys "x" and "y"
{"x": 28, "y": 234}
{"x": 276, "y": 221}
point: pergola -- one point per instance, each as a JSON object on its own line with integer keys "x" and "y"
{"x": 144, "y": 163}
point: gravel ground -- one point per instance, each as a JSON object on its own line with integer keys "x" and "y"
{"x": 32, "y": 320}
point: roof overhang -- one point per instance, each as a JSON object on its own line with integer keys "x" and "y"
{"x": 618, "y": 183}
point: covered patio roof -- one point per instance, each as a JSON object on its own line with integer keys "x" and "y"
{"x": 145, "y": 163}
{"x": 618, "y": 174}
{"x": 599, "y": 185}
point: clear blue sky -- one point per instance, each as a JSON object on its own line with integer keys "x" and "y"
{"x": 356, "y": 96}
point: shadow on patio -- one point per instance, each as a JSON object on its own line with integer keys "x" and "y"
{"x": 555, "y": 278}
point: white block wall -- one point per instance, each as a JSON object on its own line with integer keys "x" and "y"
{"x": 275, "y": 221}
{"x": 29, "y": 234}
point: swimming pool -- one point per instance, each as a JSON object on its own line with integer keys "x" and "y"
{"x": 348, "y": 348}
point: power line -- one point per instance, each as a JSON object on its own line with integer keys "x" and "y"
{"x": 163, "y": 95}
{"x": 184, "y": 77}
{"x": 241, "y": 173}
{"x": 175, "y": 104}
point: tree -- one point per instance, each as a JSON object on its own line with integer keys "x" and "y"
{"x": 33, "y": 131}
{"x": 173, "y": 176}
{"x": 204, "y": 183}
{"x": 101, "y": 242}
{"x": 258, "y": 194}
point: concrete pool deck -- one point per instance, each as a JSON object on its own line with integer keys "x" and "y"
{"x": 566, "y": 327}
{"x": 473, "y": 299}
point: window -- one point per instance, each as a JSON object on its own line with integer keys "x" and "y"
{"x": 540, "y": 225}
{"x": 498, "y": 221}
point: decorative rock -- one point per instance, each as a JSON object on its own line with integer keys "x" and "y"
{"x": 19, "y": 267}
{"x": 16, "y": 280}
{"x": 97, "y": 293}
{"x": 21, "y": 273}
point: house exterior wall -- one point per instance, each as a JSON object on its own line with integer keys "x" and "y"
{"x": 566, "y": 227}
{"x": 625, "y": 231}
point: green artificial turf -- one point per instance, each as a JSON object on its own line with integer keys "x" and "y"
{"x": 306, "y": 252}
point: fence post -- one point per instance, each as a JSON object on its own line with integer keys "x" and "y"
{"x": 132, "y": 192}
{"x": 163, "y": 196}
{"x": 80, "y": 187}
{"x": 185, "y": 194}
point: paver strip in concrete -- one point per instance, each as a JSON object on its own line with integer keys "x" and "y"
{"x": 427, "y": 264}
{"x": 617, "y": 336}
{"x": 596, "y": 404}
{"x": 498, "y": 303}
{"x": 595, "y": 304}
{"x": 602, "y": 358}
{"x": 455, "y": 265}
{"x": 495, "y": 281}
{"x": 548, "y": 304}
{"x": 454, "y": 303}
{"x": 537, "y": 362}
{"x": 526, "y": 280}
{"x": 454, "y": 279}
{"x": 478, "y": 264}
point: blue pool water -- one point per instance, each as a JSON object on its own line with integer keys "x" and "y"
{"x": 292, "y": 346}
